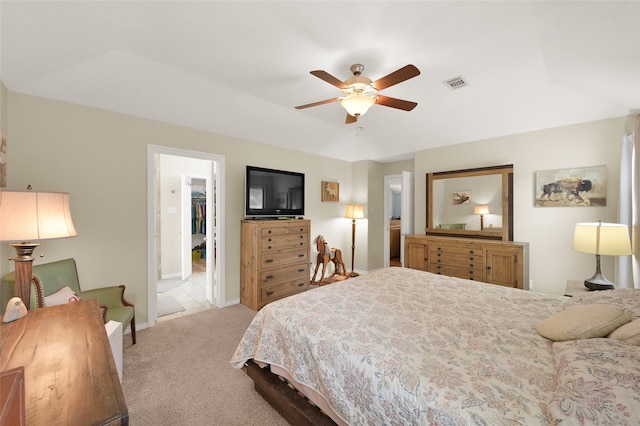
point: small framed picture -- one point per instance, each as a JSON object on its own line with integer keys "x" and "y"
{"x": 330, "y": 191}
{"x": 461, "y": 197}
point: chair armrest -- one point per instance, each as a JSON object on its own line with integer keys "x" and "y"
{"x": 103, "y": 310}
{"x": 108, "y": 296}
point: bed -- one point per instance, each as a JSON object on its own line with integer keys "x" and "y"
{"x": 402, "y": 346}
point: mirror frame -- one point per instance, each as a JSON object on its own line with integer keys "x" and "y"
{"x": 507, "y": 203}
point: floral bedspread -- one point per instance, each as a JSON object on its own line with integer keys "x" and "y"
{"x": 406, "y": 347}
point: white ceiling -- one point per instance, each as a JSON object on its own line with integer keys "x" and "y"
{"x": 239, "y": 67}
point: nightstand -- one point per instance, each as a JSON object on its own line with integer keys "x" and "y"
{"x": 575, "y": 288}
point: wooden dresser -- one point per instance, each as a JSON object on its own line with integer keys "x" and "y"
{"x": 274, "y": 260}
{"x": 70, "y": 377}
{"x": 497, "y": 262}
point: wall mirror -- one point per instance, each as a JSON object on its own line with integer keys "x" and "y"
{"x": 471, "y": 203}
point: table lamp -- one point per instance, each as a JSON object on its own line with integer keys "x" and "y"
{"x": 26, "y": 216}
{"x": 599, "y": 238}
{"x": 481, "y": 209}
{"x": 354, "y": 212}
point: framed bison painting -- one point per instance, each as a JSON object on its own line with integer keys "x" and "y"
{"x": 578, "y": 187}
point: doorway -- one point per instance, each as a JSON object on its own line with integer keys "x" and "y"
{"x": 185, "y": 231}
{"x": 398, "y": 214}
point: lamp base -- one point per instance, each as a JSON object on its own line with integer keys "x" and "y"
{"x": 599, "y": 282}
{"x": 353, "y": 274}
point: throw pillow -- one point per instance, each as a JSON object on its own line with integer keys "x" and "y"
{"x": 628, "y": 333}
{"x": 60, "y": 297}
{"x": 583, "y": 322}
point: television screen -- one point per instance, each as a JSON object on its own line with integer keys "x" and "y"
{"x": 272, "y": 192}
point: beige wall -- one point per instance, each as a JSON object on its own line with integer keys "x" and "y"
{"x": 100, "y": 158}
{"x": 548, "y": 230}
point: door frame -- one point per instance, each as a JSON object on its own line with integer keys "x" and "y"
{"x": 217, "y": 173}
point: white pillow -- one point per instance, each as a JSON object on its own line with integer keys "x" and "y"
{"x": 583, "y": 322}
{"x": 628, "y": 333}
{"x": 60, "y": 297}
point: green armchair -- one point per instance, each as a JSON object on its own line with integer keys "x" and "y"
{"x": 57, "y": 275}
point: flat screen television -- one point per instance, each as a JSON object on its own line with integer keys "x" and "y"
{"x": 273, "y": 193}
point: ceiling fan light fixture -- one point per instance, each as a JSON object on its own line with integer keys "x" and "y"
{"x": 357, "y": 104}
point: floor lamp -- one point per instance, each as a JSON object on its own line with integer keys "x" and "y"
{"x": 354, "y": 212}
{"x": 599, "y": 238}
{"x": 26, "y": 216}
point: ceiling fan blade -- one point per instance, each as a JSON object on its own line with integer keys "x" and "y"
{"x": 404, "y": 73}
{"x": 350, "y": 119}
{"x": 326, "y": 101}
{"x": 323, "y": 75}
{"x": 396, "y": 103}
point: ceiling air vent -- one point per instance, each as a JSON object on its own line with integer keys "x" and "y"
{"x": 456, "y": 82}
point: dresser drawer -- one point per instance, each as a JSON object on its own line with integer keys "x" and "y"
{"x": 476, "y": 274}
{"x": 461, "y": 260}
{"x": 278, "y": 291}
{"x": 455, "y": 249}
{"x": 272, "y": 258}
{"x": 286, "y": 241}
{"x": 284, "y": 229}
{"x": 279, "y": 275}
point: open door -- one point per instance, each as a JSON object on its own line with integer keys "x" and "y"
{"x": 407, "y": 202}
{"x": 186, "y": 226}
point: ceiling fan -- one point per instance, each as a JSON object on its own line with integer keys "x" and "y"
{"x": 360, "y": 93}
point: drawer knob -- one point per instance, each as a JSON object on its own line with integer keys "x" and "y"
{"x": 471, "y": 265}
{"x": 301, "y": 270}
{"x": 269, "y": 260}
{"x": 488, "y": 268}
{"x": 471, "y": 272}
{"x": 301, "y": 255}
{"x": 269, "y": 231}
{"x": 269, "y": 277}
{"x": 269, "y": 239}
{"x": 439, "y": 248}
{"x": 269, "y": 293}
{"x": 269, "y": 248}
{"x": 471, "y": 251}
{"x": 439, "y": 254}
{"x": 300, "y": 284}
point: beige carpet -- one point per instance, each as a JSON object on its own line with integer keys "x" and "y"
{"x": 179, "y": 374}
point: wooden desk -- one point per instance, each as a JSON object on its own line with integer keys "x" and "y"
{"x": 70, "y": 377}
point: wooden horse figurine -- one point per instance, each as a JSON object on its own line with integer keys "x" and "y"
{"x": 326, "y": 255}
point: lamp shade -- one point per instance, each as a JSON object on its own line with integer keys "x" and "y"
{"x": 610, "y": 239}
{"x": 481, "y": 209}
{"x": 354, "y": 211}
{"x": 357, "y": 104}
{"x": 29, "y": 215}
